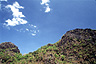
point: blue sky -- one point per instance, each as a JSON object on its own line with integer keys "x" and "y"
{"x": 30, "y": 24}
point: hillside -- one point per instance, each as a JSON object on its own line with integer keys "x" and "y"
{"x": 77, "y": 46}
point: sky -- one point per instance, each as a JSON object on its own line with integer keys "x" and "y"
{"x": 30, "y": 24}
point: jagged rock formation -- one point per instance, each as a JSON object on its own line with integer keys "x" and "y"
{"x": 77, "y": 46}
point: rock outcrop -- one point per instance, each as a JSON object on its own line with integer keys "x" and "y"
{"x": 78, "y": 34}
{"x": 9, "y": 46}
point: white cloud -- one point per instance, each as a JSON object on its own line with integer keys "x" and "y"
{"x": 35, "y": 26}
{"x": 17, "y": 15}
{"x": 12, "y": 22}
{"x": 23, "y": 25}
{"x": 38, "y": 30}
{"x": 33, "y": 34}
{"x": 46, "y": 3}
{"x": 3, "y": 0}
{"x": 15, "y": 21}
{"x": 27, "y": 29}
{"x": 47, "y": 9}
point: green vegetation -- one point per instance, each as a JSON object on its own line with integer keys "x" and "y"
{"x": 76, "y": 47}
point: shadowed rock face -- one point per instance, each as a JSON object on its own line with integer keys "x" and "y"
{"x": 9, "y": 45}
